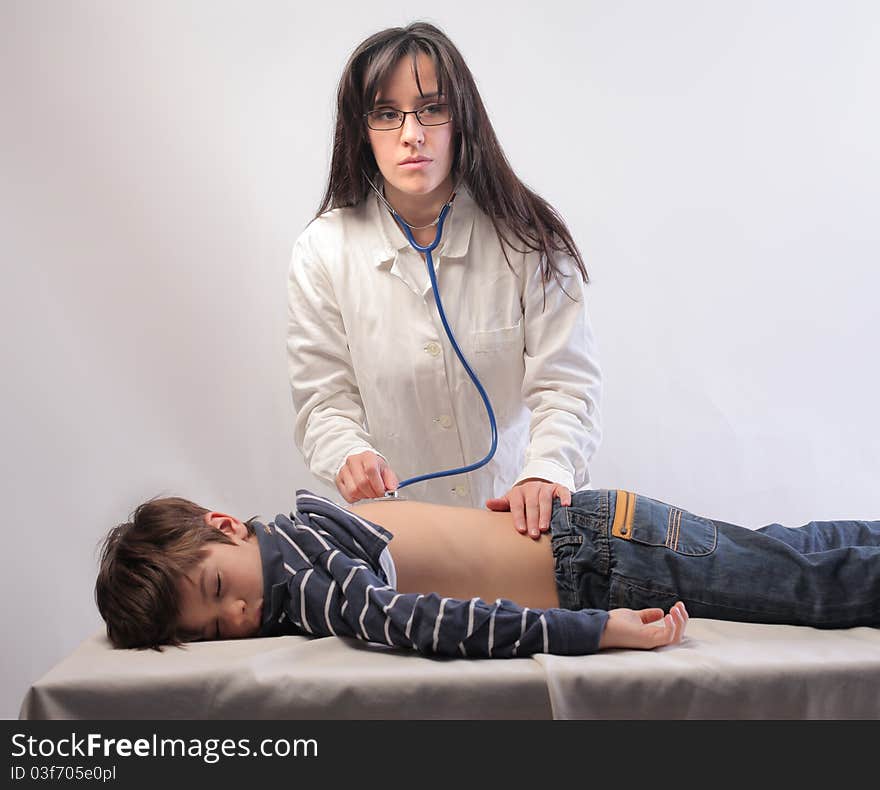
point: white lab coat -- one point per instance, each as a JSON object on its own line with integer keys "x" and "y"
{"x": 371, "y": 367}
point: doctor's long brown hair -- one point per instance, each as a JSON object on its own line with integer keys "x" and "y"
{"x": 479, "y": 162}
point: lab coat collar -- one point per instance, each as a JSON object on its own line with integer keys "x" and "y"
{"x": 456, "y": 231}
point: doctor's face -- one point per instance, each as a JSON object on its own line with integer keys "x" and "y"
{"x": 433, "y": 144}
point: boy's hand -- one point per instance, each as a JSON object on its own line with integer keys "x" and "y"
{"x": 644, "y": 628}
{"x": 531, "y": 502}
{"x": 365, "y": 475}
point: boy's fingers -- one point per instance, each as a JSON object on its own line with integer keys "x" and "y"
{"x": 650, "y": 615}
{"x": 673, "y": 628}
{"x": 684, "y": 618}
{"x": 666, "y": 634}
{"x": 681, "y": 618}
{"x": 679, "y": 624}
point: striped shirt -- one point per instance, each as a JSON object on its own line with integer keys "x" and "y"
{"x": 322, "y": 577}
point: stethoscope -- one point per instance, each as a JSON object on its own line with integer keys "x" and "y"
{"x": 427, "y": 250}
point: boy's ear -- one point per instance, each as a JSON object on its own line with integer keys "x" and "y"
{"x": 228, "y": 525}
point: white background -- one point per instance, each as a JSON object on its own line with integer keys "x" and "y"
{"x": 716, "y": 161}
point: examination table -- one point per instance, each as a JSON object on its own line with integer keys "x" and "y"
{"x": 721, "y": 670}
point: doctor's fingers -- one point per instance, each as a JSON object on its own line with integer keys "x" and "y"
{"x": 365, "y": 474}
{"x": 563, "y": 493}
{"x": 350, "y": 489}
{"x": 354, "y": 479}
{"x": 345, "y": 486}
{"x": 349, "y": 486}
{"x": 534, "y": 514}
{"x": 517, "y": 507}
{"x": 389, "y": 479}
{"x": 545, "y": 507}
{"x": 369, "y": 479}
{"x": 538, "y": 499}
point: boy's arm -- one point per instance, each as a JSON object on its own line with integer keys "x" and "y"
{"x": 453, "y": 627}
{"x": 440, "y": 626}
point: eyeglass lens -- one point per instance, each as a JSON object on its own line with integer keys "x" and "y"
{"x": 387, "y": 118}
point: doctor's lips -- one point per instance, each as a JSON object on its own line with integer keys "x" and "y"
{"x": 414, "y": 162}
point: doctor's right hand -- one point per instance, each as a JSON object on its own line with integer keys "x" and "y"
{"x": 365, "y": 475}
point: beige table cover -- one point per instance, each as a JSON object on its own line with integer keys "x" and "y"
{"x": 721, "y": 671}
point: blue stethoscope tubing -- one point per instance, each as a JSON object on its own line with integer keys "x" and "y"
{"x": 430, "y": 263}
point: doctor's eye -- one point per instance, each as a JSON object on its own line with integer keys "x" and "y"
{"x": 434, "y": 114}
{"x": 386, "y": 116}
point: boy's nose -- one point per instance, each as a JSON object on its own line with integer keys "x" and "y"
{"x": 234, "y": 618}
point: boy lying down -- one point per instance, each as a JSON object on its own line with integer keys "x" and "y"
{"x": 616, "y": 570}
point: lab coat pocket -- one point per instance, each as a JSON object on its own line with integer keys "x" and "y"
{"x": 487, "y": 341}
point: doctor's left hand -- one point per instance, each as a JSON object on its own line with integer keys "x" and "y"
{"x": 530, "y": 502}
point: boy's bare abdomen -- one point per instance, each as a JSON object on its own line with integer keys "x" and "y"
{"x": 464, "y": 553}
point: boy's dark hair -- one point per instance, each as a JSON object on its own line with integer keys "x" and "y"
{"x": 142, "y": 561}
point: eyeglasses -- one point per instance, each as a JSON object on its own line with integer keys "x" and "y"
{"x": 386, "y": 119}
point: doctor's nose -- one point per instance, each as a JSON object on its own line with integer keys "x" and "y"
{"x": 412, "y": 131}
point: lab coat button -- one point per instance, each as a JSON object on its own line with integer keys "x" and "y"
{"x": 432, "y": 348}
{"x": 445, "y": 420}
{"x": 460, "y": 490}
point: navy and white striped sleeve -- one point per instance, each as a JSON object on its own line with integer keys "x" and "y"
{"x": 441, "y": 626}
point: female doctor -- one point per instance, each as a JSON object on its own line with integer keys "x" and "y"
{"x": 378, "y": 391}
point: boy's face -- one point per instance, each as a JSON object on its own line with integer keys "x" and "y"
{"x": 222, "y": 597}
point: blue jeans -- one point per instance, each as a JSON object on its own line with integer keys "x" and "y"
{"x": 618, "y": 549}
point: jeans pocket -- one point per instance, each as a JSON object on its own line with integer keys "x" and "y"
{"x": 654, "y": 523}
